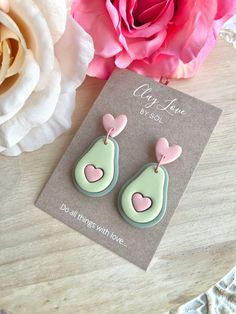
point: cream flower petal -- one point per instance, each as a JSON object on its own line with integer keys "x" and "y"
{"x": 11, "y": 25}
{"x": 36, "y": 111}
{"x": 6, "y": 35}
{"x": 5, "y": 61}
{"x": 47, "y": 132}
{"x": 55, "y": 13}
{"x": 79, "y": 52}
{"x": 74, "y": 52}
{"x": 12, "y": 58}
{"x": 68, "y": 3}
{"x": 4, "y": 5}
{"x": 14, "y": 98}
{"x": 39, "y": 36}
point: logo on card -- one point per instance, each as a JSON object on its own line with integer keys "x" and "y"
{"x": 157, "y": 109}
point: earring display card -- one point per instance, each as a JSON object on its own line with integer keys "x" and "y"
{"x": 153, "y": 111}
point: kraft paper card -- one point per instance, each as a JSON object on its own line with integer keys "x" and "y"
{"x": 153, "y": 111}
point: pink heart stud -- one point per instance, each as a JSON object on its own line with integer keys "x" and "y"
{"x": 92, "y": 173}
{"x": 166, "y": 153}
{"x": 117, "y": 124}
{"x": 140, "y": 202}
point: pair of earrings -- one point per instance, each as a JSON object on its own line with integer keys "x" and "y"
{"x": 142, "y": 200}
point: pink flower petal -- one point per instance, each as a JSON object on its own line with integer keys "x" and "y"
{"x": 101, "y": 67}
{"x": 186, "y": 70}
{"x": 153, "y": 37}
{"x": 162, "y": 65}
{"x": 123, "y": 60}
{"x": 155, "y": 11}
{"x": 225, "y": 9}
{"x": 94, "y": 18}
{"x": 141, "y": 48}
{"x": 187, "y": 40}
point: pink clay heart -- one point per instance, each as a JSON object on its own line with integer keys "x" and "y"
{"x": 92, "y": 173}
{"x": 140, "y": 202}
{"x": 166, "y": 153}
{"x": 117, "y": 124}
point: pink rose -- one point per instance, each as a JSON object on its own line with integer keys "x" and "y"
{"x": 152, "y": 37}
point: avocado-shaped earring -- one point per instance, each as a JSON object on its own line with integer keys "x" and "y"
{"x": 142, "y": 200}
{"x": 96, "y": 172}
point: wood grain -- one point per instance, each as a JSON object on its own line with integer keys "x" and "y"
{"x": 46, "y": 267}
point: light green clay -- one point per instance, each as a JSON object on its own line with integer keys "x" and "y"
{"x": 101, "y": 156}
{"x": 149, "y": 184}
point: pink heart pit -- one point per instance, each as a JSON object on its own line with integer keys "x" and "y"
{"x": 140, "y": 202}
{"x": 92, "y": 173}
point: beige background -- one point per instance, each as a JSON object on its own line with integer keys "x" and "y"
{"x": 46, "y": 267}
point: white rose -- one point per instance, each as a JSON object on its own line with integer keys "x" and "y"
{"x": 44, "y": 57}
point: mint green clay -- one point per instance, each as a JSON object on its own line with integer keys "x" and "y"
{"x": 149, "y": 184}
{"x": 103, "y": 156}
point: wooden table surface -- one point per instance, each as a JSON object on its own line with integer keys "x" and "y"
{"x": 46, "y": 267}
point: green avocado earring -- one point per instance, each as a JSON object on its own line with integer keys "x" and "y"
{"x": 96, "y": 172}
{"x": 142, "y": 200}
